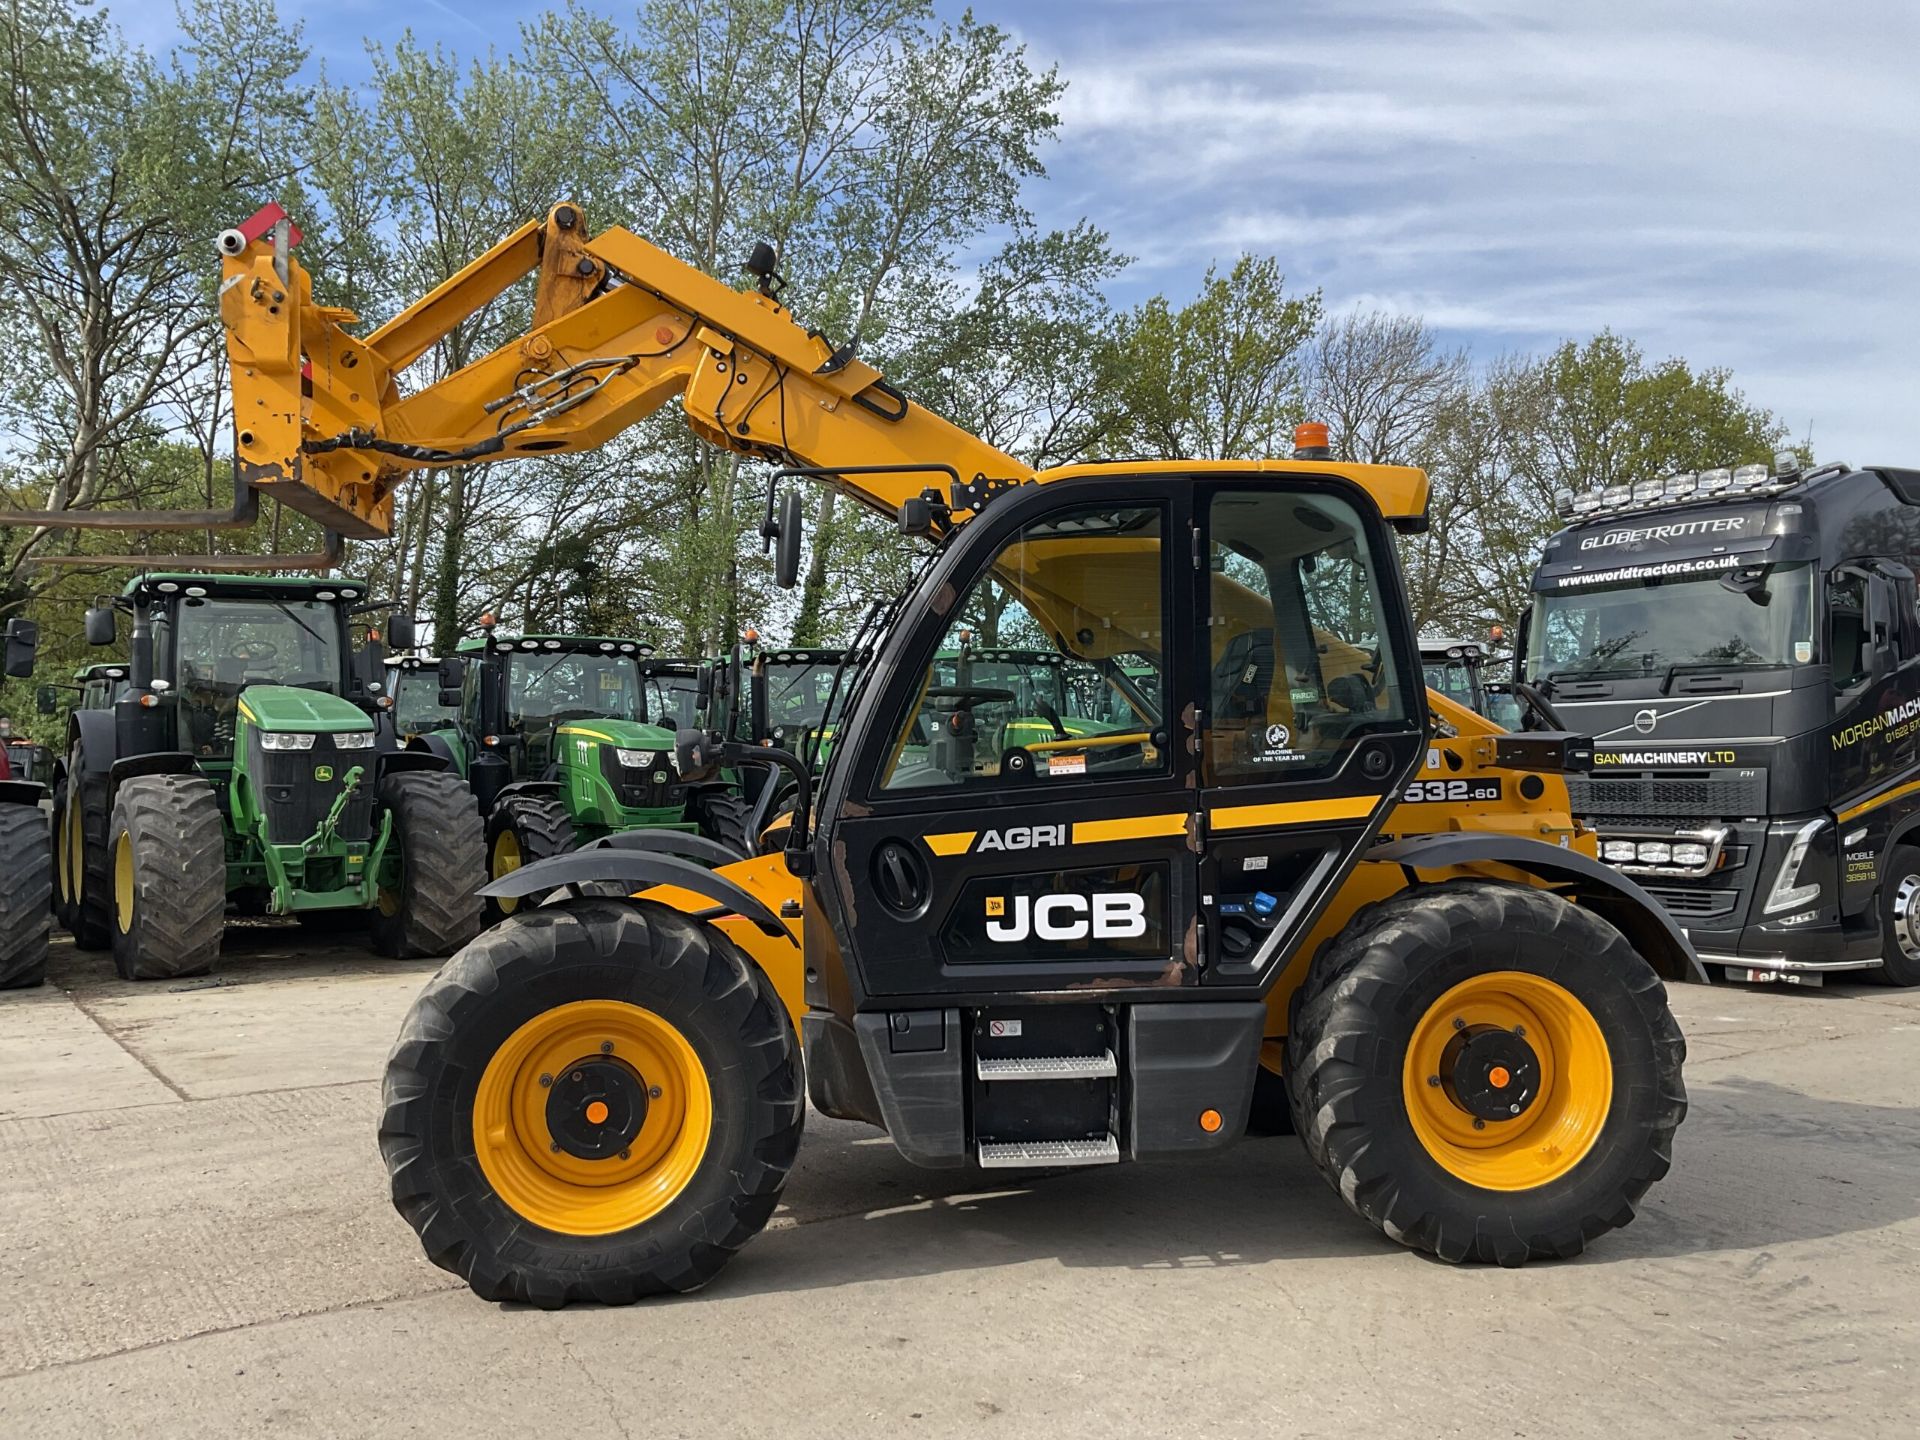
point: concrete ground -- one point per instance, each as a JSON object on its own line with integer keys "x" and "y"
{"x": 195, "y": 1240}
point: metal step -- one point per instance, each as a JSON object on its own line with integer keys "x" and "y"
{"x": 1048, "y": 1067}
{"x": 1036, "y": 1154}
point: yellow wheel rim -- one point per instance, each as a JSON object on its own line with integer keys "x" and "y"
{"x": 527, "y": 1134}
{"x": 506, "y": 859}
{"x": 1566, "y": 1108}
{"x": 123, "y": 882}
{"x": 388, "y": 900}
{"x": 69, "y": 847}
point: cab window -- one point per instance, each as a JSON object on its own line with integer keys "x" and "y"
{"x": 1297, "y": 638}
{"x": 1052, "y": 670}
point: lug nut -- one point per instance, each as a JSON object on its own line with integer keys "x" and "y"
{"x": 606, "y": 1047}
{"x": 1458, "y": 1023}
{"x": 555, "y": 1147}
{"x": 653, "y": 1092}
{"x": 1521, "y": 1031}
{"x": 577, "y": 1077}
{"x": 546, "y": 1082}
{"x": 626, "y": 1154}
{"x": 1434, "y": 1080}
{"x": 1479, "y": 1124}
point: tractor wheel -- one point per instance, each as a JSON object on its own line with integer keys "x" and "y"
{"x": 596, "y": 1100}
{"x": 1899, "y": 920}
{"x": 169, "y": 877}
{"x": 26, "y": 895}
{"x": 521, "y": 830}
{"x": 89, "y": 867}
{"x": 724, "y": 817}
{"x": 429, "y": 906}
{"x": 1486, "y": 1072}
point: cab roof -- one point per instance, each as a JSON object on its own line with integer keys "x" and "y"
{"x": 1399, "y": 490}
{"x": 539, "y": 640}
{"x": 280, "y": 587}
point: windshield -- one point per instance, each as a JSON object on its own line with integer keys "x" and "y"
{"x": 673, "y": 699}
{"x": 544, "y": 689}
{"x": 798, "y": 692}
{"x": 219, "y": 647}
{"x": 416, "y": 702}
{"x": 1644, "y": 627}
{"x": 1451, "y": 678}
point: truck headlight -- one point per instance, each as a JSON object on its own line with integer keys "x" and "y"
{"x": 353, "y": 739}
{"x": 636, "y": 759}
{"x": 286, "y": 740}
{"x": 1786, "y": 893}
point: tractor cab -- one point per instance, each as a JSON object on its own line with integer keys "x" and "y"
{"x": 419, "y": 707}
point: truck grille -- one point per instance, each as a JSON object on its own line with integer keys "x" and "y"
{"x": 1700, "y": 796}
{"x": 295, "y": 803}
{"x": 1686, "y": 902}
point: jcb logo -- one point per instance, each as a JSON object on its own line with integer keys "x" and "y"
{"x": 1023, "y": 837}
{"x": 1066, "y": 917}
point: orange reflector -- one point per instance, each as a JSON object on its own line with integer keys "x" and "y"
{"x": 663, "y": 335}
{"x": 1211, "y": 1121}
{"x": 596, "y": 1112}
{"x": 1498, "y": 1077}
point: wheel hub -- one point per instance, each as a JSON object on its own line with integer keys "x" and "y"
{"x": 1490, "y": 1072}
{"x": 596, "y": 1107}
{"x": 1906, "y": 916}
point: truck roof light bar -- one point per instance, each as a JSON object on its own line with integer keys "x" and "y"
{"x": 1688, "y": 485}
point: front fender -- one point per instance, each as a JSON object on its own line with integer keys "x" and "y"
{"x": 637, "y": 872}
{"x": 1598, "y": 886}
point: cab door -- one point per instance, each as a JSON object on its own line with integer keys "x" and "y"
{"x": 980, "y": 846}
{"x": 1311, "y": 715}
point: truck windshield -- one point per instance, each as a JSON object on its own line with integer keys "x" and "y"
{"x": 546, "y": 688}
{"x": 1645, "y": 627}
{"x": 222, "y": 646}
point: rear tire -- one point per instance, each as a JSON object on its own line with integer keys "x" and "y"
{"x": 724, "y": 817}
{"x": 90, "y": 908}
{"x": 432, "y": 908}
{"x": 26, "y": 895}
{"x": 169, "y": 858}
{"x": 1899, "y": 921}
{"x": 1365, "y": 1054}
{"x": 521, "y": 830}
{"x": 585, "y": 1229}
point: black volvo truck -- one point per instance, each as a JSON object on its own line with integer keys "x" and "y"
{"x": 1743, "y": 645}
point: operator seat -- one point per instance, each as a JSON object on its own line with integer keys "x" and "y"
{"x": 1242, "y": 687}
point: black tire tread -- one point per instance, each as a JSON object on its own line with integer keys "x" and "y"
{"x": 91, "y": 914}
{"x": 724, "y": 817}
{"x": 543, "y": 828}
{"x": 442, "y": 1195}
{"x": 26, "y": 895}
{"x": 1334, "y": 1060}
{"x": 440, "y": 908}
{"x": 180, "y": 877}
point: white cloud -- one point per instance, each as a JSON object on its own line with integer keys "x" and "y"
{"x": 1730, "y": 182}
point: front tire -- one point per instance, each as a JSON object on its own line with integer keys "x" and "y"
{"x": 723, "y": 817}
{"x": 169, "y": 858}
{"x": 427, "y": 903}
{"x": 658, "y": 1147}
{"x": 521, "y": 830}
{"x": 1486, "y": 1072}
{"x": 1899, "y": 920}
{"x": 26, "y": 895}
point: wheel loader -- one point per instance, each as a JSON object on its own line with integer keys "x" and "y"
{"x": 247, "y": 760}
{"x": 26, "y": 853}
{"x": 1077, "y": 951}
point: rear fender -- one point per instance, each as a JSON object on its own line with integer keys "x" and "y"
{"x": 158, "y": 762}
{"x": 1596, "y": 885}
{"x": 22, "y": 792}
{"x": 392, "y": 762}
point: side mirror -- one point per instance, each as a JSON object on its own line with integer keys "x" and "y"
{"x": 786, "y": 542}
{"x": 23, "y": 636}
{"x": 99, "y": 625}
{"x": 693, "y": 755}
{"x": 916, "y": 516}
{"x": 401, "y": 630}
{"x": 47, "y": 700}
{"x": 453, "y": 673}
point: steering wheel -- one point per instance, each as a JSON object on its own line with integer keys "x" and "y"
{"x": 252, "y": 650}
{"x": 965, "y": 695}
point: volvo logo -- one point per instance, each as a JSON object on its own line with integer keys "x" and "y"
{"x": 1645, "y": 720}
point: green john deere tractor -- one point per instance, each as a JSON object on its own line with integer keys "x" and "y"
{"x": 26, "y": 855}
{"x": 565, "y": 739}
{"x": 251, "y": 759}
{"x": 418, "y": 709}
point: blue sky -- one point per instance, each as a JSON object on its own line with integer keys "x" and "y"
{"x": 1735, "y": 183}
